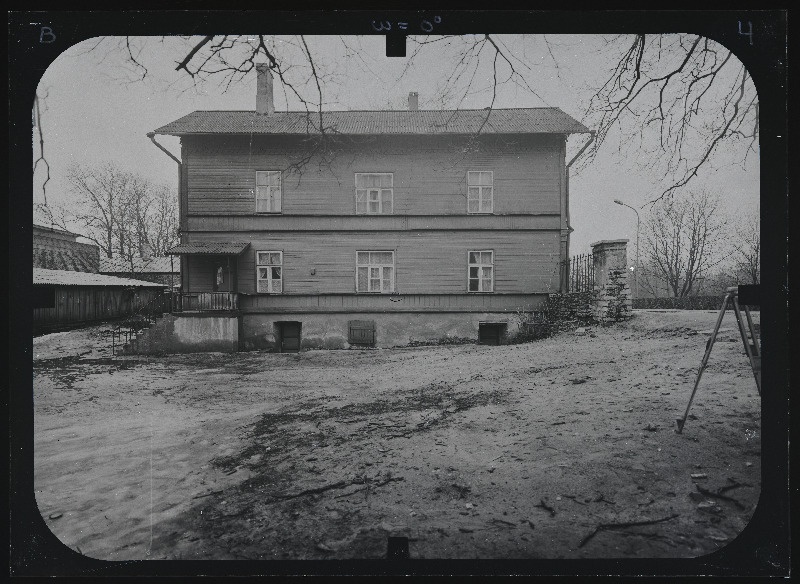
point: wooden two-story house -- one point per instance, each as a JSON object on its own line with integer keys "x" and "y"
{"x": 369, "y": 227}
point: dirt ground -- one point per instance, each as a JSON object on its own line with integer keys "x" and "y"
{"x": 521, "y": 451}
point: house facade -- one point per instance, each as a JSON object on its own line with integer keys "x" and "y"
{"x": 369, "y": 227}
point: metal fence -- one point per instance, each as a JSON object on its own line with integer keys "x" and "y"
{"x": 579, "y": 273}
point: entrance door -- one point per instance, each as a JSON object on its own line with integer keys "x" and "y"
{"x": 290, "y": 337}
{"x": 489, "y": 334}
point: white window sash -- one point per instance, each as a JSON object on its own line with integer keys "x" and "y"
{"x": 268, "y": 194}
{"x": 482, "y": 268}
{"x": 483, "y": 200}
{"x": 367, "y": 194}
{"x": 377, "y": 280}
{"x": 269, "y": 284}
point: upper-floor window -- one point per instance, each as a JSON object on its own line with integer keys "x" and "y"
{"x": 269, "y": 272}
{"x": 374, "y": 271}
{"x": 268, "y": 191}
{"x": 374, "y": 193}
{"x": 481, "y": 271}
{"x": 479, "y": 191}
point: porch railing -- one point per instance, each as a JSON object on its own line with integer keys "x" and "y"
{"x": 205, "y": 301}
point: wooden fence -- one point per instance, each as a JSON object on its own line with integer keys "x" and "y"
{"x": 76, "y": 306}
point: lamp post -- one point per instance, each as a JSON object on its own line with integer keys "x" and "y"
{"x": 636, "y": 268}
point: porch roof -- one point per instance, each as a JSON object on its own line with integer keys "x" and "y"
{"x": 210, "y": 248}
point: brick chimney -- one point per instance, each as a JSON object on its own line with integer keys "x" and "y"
{"x": 413, "y": 101}
{"x": 264, "y": 101}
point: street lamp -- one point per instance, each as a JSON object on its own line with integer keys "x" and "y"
{"x": 636, "y": 269}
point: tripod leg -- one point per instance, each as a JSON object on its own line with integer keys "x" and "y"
{"x": 750, "y": 351}
{"x": 753, "y": 335}
{"x": 704, "y": 362}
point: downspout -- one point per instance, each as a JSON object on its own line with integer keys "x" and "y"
{"x": 152, "y": 136}
{"x": 566, "y": 185}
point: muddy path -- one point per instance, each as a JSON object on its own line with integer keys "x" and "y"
{"x": 561, "y": 448}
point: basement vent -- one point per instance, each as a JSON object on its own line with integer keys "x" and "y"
{"x": 361, "y": 332}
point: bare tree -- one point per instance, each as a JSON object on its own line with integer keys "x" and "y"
{"x": 677, "y": 100}
{"x": 122, "y": 212}
{"x": 36, "y": 118}
{"x": 747, "y": 243}
{"x": 682, "y": 241}
{"x": 163, "y": 222}
{"x": 102, "y": 193}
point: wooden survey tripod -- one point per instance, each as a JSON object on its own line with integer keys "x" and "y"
{"x": 751, "y": 348}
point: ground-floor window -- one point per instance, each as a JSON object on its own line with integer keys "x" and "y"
{"x": 269, "y": 271}
{"x": 375, "y": 271}
{"x": 481, "y": 271}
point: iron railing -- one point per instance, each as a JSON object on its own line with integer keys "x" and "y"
{"x": 205, "y": 301}
{"x": 140, "y": 320}
{"x": 578, "y": 273}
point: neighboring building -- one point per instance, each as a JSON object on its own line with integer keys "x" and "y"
{"x": 68, "y": 299}
{"x": 163, "y": 270}
{"x": 420, "y": 225}
{"x": 56, "y": 249}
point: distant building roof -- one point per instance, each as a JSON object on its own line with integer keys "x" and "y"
{"x": 43, "y": 228}
{"x": 155, "y": 265}
{"x": 543, "y": 120}
{"x": 67, "y": 278}
{"x": 56, "y": 249}
{"x": 210, "y": 248}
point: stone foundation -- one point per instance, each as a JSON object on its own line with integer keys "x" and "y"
{"x": 183, "y": 333}
{"x": 331, "y": 331}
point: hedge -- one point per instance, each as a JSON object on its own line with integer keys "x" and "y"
{"x": 687, "y": 303}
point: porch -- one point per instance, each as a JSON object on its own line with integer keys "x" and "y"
{"x": 209, "y": 277}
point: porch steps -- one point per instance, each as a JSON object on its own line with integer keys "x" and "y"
{"x": 152, "y": 340}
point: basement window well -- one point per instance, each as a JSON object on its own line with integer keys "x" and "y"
{"x": 490, "y": 333}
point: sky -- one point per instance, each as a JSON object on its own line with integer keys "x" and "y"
{"x": 96, "y": 108}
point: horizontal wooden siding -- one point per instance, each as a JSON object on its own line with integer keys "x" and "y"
{"x": 430, "y": 173}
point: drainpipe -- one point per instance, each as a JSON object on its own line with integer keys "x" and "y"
{"x": 152, "y": 136}
{"x": 566, "y": 185}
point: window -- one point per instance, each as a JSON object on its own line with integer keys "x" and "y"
{"x": 374, "y": 193}
{"x": 481, "y": 271}
{"x": 479, "y": 191}
{"x": 268, "y": 191}
{"x": 269, "y": 272}
{"x": 375, "y": 271}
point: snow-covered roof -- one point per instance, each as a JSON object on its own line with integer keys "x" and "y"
{"x": 67, "y": 278}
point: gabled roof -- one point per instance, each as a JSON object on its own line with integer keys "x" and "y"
{"x": 66, "y": 278}
{"x": 543, "y": 120}
{"x": 156, "y": 265}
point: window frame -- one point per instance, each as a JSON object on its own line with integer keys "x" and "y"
{"x": 268, "y": 198}
{"x": 370, "y": 265}
{"x": 369, "y": 190}
{"x": 479, "y": 266}
{"x": 270, "y": 265}
{"x": 481, "y": 189}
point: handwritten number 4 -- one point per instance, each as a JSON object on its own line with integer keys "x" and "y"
{"x": 749, "y": 32}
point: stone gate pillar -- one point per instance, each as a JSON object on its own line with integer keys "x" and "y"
{"x": 607, "y": 255}
{"x": 613, "y": 299}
